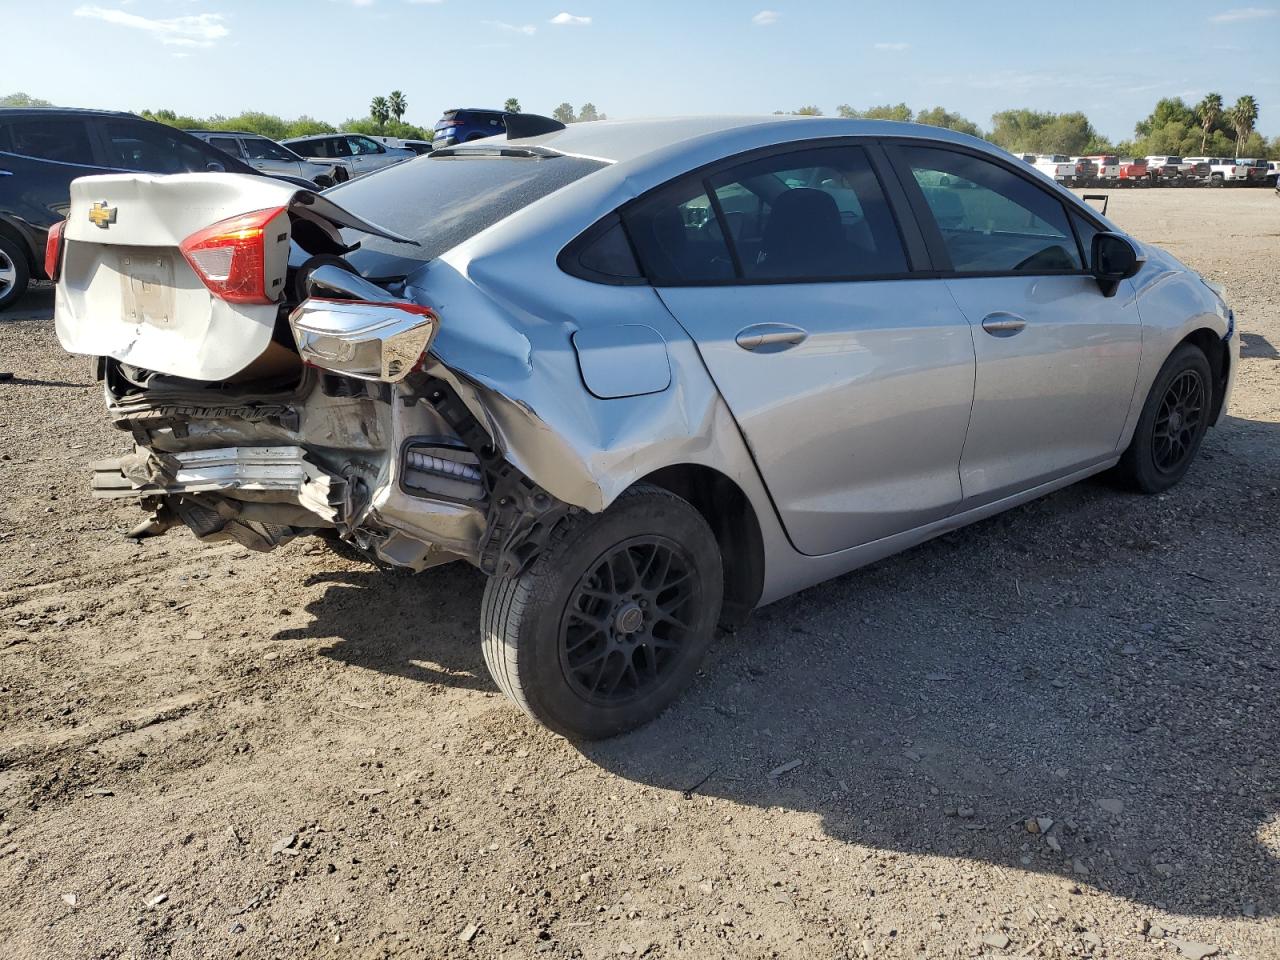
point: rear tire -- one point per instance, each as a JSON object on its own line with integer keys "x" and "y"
{"x": 15, "y": 273}
{"x": 1172, "y": 425}
{"x": 612, "y": 620}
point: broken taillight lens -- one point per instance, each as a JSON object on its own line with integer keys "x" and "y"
{"x": 230, "y": 257}
{"x": 53, "y": 250}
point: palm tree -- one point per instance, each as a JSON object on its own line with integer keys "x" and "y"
{"x": 1208, "y": 112}
{"x": 397, "y": 104}
{"x": 1243, "y": 116}
{"x": 512, "y": 105}
{"x": 379, "y": 110}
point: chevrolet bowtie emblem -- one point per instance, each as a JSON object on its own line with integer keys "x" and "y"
{"x": 102, "y": 215}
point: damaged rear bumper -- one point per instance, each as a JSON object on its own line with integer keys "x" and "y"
{"x": 410, "y": 479}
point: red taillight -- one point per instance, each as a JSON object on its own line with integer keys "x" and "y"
{"x": 230, "y": 257}
{"x": 53, "y": 250}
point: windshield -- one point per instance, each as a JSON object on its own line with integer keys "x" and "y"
{"x": 440, "y": 201}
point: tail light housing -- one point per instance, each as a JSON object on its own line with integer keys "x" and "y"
{"x": 53, "y": 250}
{"x": 242, "y": 259}
{"x": 383, "y": 341}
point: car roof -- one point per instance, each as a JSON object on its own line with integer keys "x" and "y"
{"x": 65, "y": 111}
{"x": 619, "y": 141}
{"x": 228, "y": 133}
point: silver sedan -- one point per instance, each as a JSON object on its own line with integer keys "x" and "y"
{"x": 647, "y": 376}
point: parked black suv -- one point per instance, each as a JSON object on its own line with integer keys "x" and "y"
{"x": 43, "y": 149}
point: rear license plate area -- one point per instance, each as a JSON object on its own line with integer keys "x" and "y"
{"x": 147, "y": 292}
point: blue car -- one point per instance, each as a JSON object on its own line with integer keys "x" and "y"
{"x": 468, "y": 123}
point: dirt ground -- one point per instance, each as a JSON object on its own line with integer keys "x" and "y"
{"x": 210, "y": 753}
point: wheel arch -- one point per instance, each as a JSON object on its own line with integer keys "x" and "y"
{"x": 732, "y": 518}
{"x": 1219, "y": 356}
{"x": 14, "y": 235}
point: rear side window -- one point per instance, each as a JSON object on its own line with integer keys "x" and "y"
{"x": 991, "y": 220}
{"x": 814, "y": 215}
{"x": 152, "y": 148}
{"x": 226, "y": 145}
{"x": 440, "y": 201}
{"x": 63, "y": 141}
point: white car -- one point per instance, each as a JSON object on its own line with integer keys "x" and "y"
{"x": 1056, "y": 166}
{"x": 1223, "y": 170}
{"x": 358, "y": 153}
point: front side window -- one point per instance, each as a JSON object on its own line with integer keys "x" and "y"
{"x": 991, "y": 220}
{"x": 363, "y": 146}
{"x": 816, "y": 214}
{"x": 260, "y": 148}
{"x": 63, "y": 141}
{"x": 152, "y": 148}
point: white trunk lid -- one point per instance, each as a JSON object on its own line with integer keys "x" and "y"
{"x": 126, "y": 291}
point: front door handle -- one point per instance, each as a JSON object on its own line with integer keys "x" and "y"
{"x": 770, "y": 337}
{"x": 1003, "y": 324}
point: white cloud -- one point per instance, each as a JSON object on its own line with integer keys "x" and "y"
{"x": 527, "y": 29}
{"x": 569, "y": 20}
{"x": 426, "y": 1}
{"x": 1243, "y": 13}
{"x": 766, "y": 18}
{"x": 199, "y": 30}
{"x": 894, "y": 47}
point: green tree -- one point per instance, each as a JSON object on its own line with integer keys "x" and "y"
{"x": 512, "y": 105}
{"x": 20, "y": 99}
{"x": 1031, "y": 131}
{"x": 389, "y": 128}
{"x": 888, "y": 111}
{"x": 938, "y": 117}
{"x": 1168, "y": 110}
{"x": 846, "y": 112}
{"x": 564, "y": 113}
{"x": 588, "y": 113}
{"x": 1208, "y": 112}
{"x": 379, "y": 110}
{"x": 397, "y": 105}
{"x": 1242, "y": 116}
{"x": 809, "y": 111}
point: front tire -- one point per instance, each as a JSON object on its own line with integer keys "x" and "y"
{"x": 1172, "y": 425}
{"x": 14, "y": 272}
{"x": 612, "y": 620}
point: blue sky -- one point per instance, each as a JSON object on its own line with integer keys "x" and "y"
{"x": 327, "y": 58}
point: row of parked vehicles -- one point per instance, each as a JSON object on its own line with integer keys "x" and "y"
{"x": 1111, "y": 170}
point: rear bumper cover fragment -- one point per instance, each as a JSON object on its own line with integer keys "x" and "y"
{"x": 227, "y": 470}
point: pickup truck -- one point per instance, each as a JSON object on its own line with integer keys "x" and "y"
{"x": 1257, "y": 170}
{"x": 1108, "y": 165}
{"x": 1167, "y": 170}
{"x": 1223, "y": 170}
{"x": 1133, "y": 171}
{"x": 1057, "y": 166}
{"x": 1086, "y": 170}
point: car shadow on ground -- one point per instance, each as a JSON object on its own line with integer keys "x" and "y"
{"x": 1089, "y": 659}
{"x": 35, "y": 304}
{"x": 421, "y": 628}
{"x": 1254, "y": 346}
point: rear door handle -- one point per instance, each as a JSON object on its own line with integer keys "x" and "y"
{"x": 770, "y": 337}
{"x": 1003, "y": 324}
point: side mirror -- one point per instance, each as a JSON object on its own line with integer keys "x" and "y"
{"x": 1113, "y": 258}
